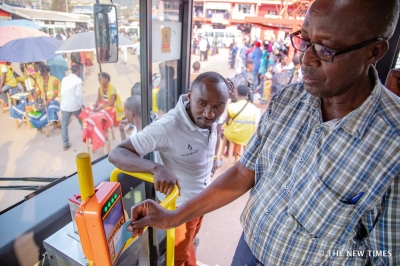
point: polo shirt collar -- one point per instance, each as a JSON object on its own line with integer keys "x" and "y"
{"x": 356, "y": 122}
{"x": 183, "y": 116}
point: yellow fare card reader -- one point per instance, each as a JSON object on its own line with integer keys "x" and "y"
{"x": 99, "y": 221}
{"x": 100, "y": 217}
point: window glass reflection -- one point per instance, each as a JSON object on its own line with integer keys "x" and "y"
{"x": 165, "y": 72}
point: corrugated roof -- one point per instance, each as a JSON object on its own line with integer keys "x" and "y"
{"x": 36, "y": 14}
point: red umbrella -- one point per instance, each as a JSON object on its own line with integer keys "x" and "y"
{"x": 9, "y": 33}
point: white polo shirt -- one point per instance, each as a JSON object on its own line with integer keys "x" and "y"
{"x": 182, "y": 146}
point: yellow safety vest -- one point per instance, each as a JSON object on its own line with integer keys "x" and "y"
{"x": 119, "y": 107}
{"x": 154, "y": 93}
{"x": 243, "y": 126}
{"x": 46, "y": 91}
{"x": 10, "y": 78}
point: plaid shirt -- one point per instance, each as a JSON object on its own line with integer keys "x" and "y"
{"x": 306, "y": 173}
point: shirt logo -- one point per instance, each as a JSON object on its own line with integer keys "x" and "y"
{"x": 191, "y": 151}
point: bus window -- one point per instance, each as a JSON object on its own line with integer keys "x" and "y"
{"x": 208, "y": 34}
{"x": 219, "y": 34}
{"x": 230, "y": 35}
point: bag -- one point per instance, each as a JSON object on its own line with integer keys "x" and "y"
{"x": 41, "y": 106}
{"x": 233, "y": 118}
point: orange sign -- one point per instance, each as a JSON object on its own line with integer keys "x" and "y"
{"x": 166, "y": 40}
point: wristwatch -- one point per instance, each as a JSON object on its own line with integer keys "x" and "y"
{"x": 215, "y": 157}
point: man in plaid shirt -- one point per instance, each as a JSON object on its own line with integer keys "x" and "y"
{"x": 324, "y": 164}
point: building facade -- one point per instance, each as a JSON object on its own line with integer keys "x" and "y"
{"x": 257, "y": 18}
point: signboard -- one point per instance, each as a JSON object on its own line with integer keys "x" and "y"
{"x": 167, "y": 38}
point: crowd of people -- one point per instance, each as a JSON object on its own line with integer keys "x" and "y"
{"x": 271, "y": 68}
{"x": 270, "y": 65}
{"x": 49, "y": 90}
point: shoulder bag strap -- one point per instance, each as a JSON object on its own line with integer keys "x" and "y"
{"x": 244, "y": 106}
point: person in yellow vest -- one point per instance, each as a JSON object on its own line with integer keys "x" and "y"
{"x": 241, "y": 119}
{"x": 47, "y": 96}
{"x": 156, "y": 79}
{"x": 108, "y": 99}
{"x": 7, "y": 82}
{"x": 47, "y": 86}
{"x": 20, "y": 79}
{"x": 36, "y": 67}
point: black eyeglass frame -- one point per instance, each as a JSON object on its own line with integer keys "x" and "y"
{"x": 335, "y": 52}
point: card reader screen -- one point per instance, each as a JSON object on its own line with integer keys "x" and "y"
{"x": 113, "y": 219}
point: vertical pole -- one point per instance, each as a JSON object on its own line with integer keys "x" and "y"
{"x": 145, "y": 7}
{"x": 66, "y": 5}
{"x": 186, "y": 20}
{"x": 145, "y": 22}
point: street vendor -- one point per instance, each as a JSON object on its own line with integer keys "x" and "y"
{"x": 46, "y": 99}
{"x": 108, "y": 99}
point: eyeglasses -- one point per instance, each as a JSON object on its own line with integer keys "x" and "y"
{"x": 322, "y": 52}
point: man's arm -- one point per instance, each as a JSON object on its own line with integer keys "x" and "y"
{"x": 385, "y": 236}
{"x": 98, "y": 98}
{"x": 79, "y": 94}
{"x": 122, "y": 126}
{"x": 125, "y": 157}
{"x": 225, "y": 189}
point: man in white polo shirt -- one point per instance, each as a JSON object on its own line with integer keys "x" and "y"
{"x": 185, "y": 139}
{"x": 71, "y": 101}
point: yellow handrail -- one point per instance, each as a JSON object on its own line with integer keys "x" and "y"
{"x": 168, "y": 203}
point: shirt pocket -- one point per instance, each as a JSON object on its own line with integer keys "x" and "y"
{"x": 317, "y": 212}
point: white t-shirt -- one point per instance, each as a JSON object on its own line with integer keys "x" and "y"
{"x": 203, "y": 45}
{"x": 182, "y": 146}
{"x": 71, "y": 93}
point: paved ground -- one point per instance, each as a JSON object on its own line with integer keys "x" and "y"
{"x": 27, "y": 153}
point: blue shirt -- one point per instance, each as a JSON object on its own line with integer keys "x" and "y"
{"x": 234, "y": 49}
{"x": 256, "y": 55}
{"x": 303, "y": 208}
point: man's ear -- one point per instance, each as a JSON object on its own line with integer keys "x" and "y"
{"x": 377, "y": 51}
{"x": 189, "y": 95}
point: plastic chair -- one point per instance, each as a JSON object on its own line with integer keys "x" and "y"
{"x": 14, "y": 99}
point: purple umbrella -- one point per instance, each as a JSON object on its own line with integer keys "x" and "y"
{"x": 31, "y": 49}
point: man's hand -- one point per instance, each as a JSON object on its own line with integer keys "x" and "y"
{"x": 123, "y": 124}
{"x": 97, "y": 108}
{"x": 164, "y": 180}
{"x": 392, "y": 81}
{"x": 149, "y": 213}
